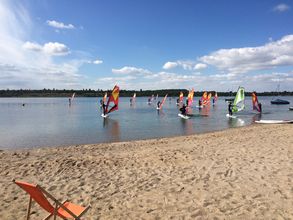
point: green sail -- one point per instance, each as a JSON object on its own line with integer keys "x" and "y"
{"x": 238, "y": 104}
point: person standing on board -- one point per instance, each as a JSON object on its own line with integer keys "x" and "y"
{"x": 183, "y": 109}
{"x": 259, "y": 106}
{"x": 230, "y": 108}
{"x": 199, "y": 103}
{"x": 158, "y": 104}
{"x": 104, "y": 107}
{"x": 69, "y": 100}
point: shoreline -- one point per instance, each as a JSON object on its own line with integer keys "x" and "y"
{"x": 126, "y": 141}
{"x": 239, "y": 173}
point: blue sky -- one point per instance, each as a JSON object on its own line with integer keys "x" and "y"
{"x": 146, "y": 44}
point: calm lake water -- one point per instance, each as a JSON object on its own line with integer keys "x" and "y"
{"x": 51, "y": 121}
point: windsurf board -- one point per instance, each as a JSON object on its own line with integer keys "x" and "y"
{"x": 231, "y": 116}
{"x": 274, "y": 121}
{"x": 183, "y": 116}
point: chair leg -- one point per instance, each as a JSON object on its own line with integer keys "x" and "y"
{"x": 48, "y": 217}
{"x": 29, "y": 209}
{"x": 55, "y": 210}
{"x": 51, "y": 214}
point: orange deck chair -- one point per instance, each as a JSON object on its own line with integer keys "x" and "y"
{"x": 65, "y": 210}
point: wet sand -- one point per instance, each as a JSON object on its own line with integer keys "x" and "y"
{"x": 241, "y": 173}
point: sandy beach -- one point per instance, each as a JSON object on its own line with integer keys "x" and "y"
{"x": 242, "y": 173}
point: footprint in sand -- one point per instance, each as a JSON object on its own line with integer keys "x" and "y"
{"x": 228, "y": 173}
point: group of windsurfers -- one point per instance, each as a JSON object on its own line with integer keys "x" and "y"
{"x": 230, "y": 108}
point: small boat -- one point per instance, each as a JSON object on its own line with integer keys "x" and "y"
{"x": 280, "y": 102}
{"x": 291, "y": 108}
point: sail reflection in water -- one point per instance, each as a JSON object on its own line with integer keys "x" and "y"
{"x": 187, "y": 126}
{"x": 112, "y": 129}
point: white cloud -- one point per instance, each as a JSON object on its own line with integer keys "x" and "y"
{"x": 60, "y": 25}
{"x": 185, "y": 64}
{"x": 169, "y": 65}
{"x": 281, "y": 8}
{"x": 32, "y": 46}
{"x": 131, "y": 70}
{"x": 98, "y": 61}
{"x": 55, "y": 48}
{"x": 242, "y": 60}
{"x": 200, "y": 66}
{"x": 25, "y": 64}
{"x": 51, "y": 48}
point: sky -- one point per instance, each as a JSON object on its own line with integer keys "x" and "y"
{"x": 146, "y": 44}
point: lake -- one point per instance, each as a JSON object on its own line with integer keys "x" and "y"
{"x": 52, "y": 122}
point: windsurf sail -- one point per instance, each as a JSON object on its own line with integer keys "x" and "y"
{"x": 205, "y": 98}
{"x": 152, "y": 98}
{"x": 190, "y": 97}
{"x": 113, "y": 98}
{"x": 181, "y": 96}
{"x": 255, "y": 104}
{"x": 133, "y": 98}
{"x": 163, "y": 101}
{"x": 72, "y": 97}
{"x": 105, "y": 97}
{"x": 238, "y": 104}
{"x": 157, "y": 97}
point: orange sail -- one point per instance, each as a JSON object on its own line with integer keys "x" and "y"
{"x": 209, "y": 96}
{"x": 114, "y": 97}
{"x": 190, "y": 97}
{"x": 255, "y": 103}
{"x": 181, "y": 96}
{"x": 204, "y": 98}
{"x": 105, "y": 97}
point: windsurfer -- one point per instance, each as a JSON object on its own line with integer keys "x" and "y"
{"x": 183, "y": 109}
{"x": 230, "y": 108}
{"x": 158, "y": 104}
{"x": 259, "y": 106}
{"x": 199, "y": 103}
{"x": 69, "y": 100}
{"x": 104, "y": 107}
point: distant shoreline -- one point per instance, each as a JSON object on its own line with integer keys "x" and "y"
{"x": 123, "y": 93}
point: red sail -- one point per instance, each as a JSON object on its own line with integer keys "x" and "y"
{"x": 114, "y": 97}
{"x": 255, "y": 104}
{"x": 162, "y": 103}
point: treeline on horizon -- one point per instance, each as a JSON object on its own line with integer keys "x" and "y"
{"x": 123, "y": 93}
